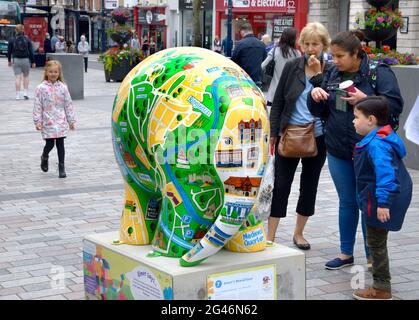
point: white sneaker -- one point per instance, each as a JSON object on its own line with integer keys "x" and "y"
{"x": 17, "y": 96}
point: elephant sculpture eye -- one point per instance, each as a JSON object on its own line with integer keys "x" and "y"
{"x": 228, "y": 141}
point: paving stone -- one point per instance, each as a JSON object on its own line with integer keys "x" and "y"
{"x": 311, "y": 291}
{"x": 408, "y": 286}
{"x": 335, "y": 287}
{"x": 80, "y": 295}
{"x": 11, "y": 291}
{"x": 315, "y": 283}
{"x": 17, "y": 258}
{"x": 77, "y": 287}
{"x": 5, "y": 265}
{"x": 414, "y": 267}
{"x": 29, "y": 262}
{"x": 4, "y": 272}
{"x": 25, "y": 246}
{"x": 407, "y": 295}
{"x": 336, "y": 296}
{"x": 55, "y": 297}
{"x": 10, "y": 297}
{"x": 40, "y": 239}
{"x": 43, "y": 293}
{"x": 412, "y": 276}
{"x": 31, "y": 267}
{"x": 22, "y": 282}
{"x": 70, "y": 262}
{"x": 38, "y": 286}
{"x": 9, "y": 254}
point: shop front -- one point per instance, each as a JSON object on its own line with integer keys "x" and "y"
{"x": 206, "y": 14}
{"x": 151, "y": 25}
{"x": 265, "y": 16}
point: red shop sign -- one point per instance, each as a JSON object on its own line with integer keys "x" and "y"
{"x": 285, "y": 6}
{"x": 36, "y": 28}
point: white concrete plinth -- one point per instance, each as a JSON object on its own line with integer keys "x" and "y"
{"x": 104, "y": 263}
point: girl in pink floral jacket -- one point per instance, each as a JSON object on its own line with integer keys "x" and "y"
{"x": 53, "y": 113}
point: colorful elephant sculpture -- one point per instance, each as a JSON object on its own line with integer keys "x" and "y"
{"x": 190, "y": 135}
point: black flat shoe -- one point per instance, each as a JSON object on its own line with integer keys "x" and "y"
{"x": 301, "y": 246}
{"x": 44, "y": 163}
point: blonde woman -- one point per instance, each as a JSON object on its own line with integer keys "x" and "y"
{"x": 289, "y": 106}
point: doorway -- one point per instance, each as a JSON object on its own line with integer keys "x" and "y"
{"x": 84, "y": 28}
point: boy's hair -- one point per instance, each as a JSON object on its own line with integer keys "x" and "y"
{"x": 377, "y": 106}
{"x": 53, "y": 63}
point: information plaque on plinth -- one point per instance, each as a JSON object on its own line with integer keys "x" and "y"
{"x": 125, "y": 272}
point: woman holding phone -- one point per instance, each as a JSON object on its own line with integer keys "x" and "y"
{"x": 328, "y": 101}
{"x": 289, "y": 107}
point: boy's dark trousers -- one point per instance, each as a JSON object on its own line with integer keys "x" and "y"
{"x": 377, "y": 245}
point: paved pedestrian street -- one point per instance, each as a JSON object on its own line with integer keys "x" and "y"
{"x": 43, "y": 219}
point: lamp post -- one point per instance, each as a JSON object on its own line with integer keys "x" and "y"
{"x": 229, "y": 18}
{"x": 103, "y": 33}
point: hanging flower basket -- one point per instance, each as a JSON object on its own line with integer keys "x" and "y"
{"x": 381, "y": 24}
{"x": 120, "y": 15}
{"x": 119, "y": 19}
{"x": 379, "y": 3}
{"x": 379, "y": 34}
{"x": 383, "y": 19}
{"x": 121, "y": 37}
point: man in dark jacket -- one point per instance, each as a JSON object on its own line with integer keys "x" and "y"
{"x": 47, "y": 44}
{"x": 250, "y": 53}
{"x": 20, "y": 49}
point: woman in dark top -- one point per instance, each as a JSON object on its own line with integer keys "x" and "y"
{"x": 289, "y": 106}
{"x": 350, "y": 63}
{"x": 284, "y": 51}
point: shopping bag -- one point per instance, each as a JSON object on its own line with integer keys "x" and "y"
{"x": 263, "y": 202}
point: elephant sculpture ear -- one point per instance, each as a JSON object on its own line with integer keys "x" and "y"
{"x": 241, "y": 154}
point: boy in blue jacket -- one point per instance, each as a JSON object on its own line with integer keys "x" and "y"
{"x": 384, "y": 187}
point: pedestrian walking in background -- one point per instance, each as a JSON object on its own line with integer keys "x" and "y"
{"x": 224, "y": 45}
{"x": 47, "y": 44}
{"x": 384, "y": 188}
{"x": 216, "y": 46}
{"x": 330, "y": 103}
{"x": 20, "y": 56}
{"x": 53, "y": 114}
{"x": 54, "y": 40}
{"x": 70, "y": 47}
{"x": 266, "y": 39}
{"x": 135, "y": 43}
{"x": 145, "y": 47}
{"x": 289, "y": 108}
{"x": 284, "y": 51}
{"x": 60, "y": 45}
{"x": 152, "y": 46}
{"x": 83, "y": 48}
{"x": 250, "y": 53}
